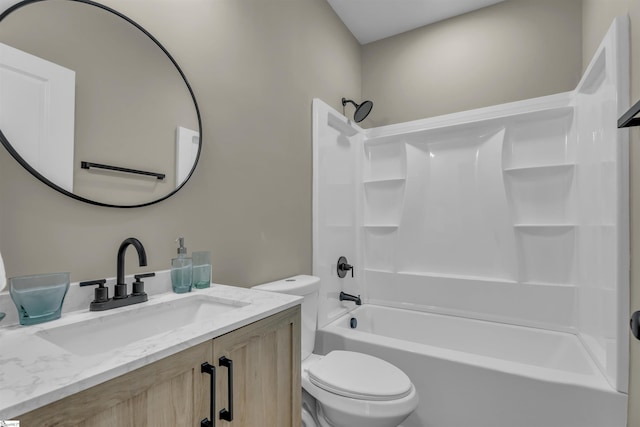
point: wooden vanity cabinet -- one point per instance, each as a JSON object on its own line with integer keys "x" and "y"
{"x": 174, "y": 392}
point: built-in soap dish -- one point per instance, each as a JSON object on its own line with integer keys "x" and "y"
{"x": 39, "y": 298}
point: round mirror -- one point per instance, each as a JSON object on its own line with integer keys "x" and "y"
{"x": 93, "y": 105}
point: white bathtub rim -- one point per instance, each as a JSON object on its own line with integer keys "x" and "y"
{"x": 595, "y": 380}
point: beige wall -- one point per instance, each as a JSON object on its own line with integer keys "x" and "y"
{"x": 596, "y": 19}
{"x": 255, "y": 67}
{"x": 597, "y": 16}
{"x": 514, "y": 50}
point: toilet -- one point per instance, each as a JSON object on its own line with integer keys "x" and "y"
{"x": 344, "y": 388}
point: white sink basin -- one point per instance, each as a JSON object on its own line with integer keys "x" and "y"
{"x": 122, "y": 327}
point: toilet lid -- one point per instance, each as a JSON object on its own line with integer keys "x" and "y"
{"x": 359, "y": 376}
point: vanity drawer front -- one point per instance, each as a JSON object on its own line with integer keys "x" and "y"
{"x": 171, "y": 392}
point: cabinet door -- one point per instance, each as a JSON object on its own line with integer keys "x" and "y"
{"x": 266, "y": 372}
{"x": 169, "y": 393}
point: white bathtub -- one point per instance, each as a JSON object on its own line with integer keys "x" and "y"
{"x": 472, "y": 373}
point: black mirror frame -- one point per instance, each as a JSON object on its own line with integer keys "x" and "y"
{"x": 5, "y": 142}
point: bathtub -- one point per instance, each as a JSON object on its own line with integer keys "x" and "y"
{"x": 472, "y": 373}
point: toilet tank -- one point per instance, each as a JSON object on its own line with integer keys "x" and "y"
{"x": 307, "y": 287}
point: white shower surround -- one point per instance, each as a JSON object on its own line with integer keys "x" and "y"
{"x": 516, "y": 213}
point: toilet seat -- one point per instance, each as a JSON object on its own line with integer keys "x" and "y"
{"x": 342, "y": 410}
{"x": 359, "y": 376}
{"x": 344, "y": 389}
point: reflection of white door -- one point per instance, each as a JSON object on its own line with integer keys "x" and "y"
{"x": 187, "y": 144}
{"x": 37, "y": 107}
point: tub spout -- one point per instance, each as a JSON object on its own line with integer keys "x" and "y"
{"x": 349, "y": 297}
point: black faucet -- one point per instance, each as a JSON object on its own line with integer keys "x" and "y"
{"x": 121, "y": 286}
{"x": 120, "y": 298}
{"x": 349, "y": 297}
{"x": 343, "y": 267}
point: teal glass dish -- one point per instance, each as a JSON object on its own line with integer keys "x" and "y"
{"x": 39, "y": 298}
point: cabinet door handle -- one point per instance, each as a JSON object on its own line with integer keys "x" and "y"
{"x": 224, "y": 413}
{"x": 208, "y": 368}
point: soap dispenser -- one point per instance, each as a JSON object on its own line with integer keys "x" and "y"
{"x": 181, "y": 270}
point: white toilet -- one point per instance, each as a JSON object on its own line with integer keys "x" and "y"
{"x": 344, "y": 388}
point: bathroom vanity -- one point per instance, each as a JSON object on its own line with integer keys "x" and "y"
{"x": 252, "y": 349}
{"x": 219, "y": 356}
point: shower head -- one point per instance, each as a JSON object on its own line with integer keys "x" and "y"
{"x": 362, "y": 110}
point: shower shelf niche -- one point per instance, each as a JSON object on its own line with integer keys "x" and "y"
{"x": 383, "y": 201}
{"x": 380, "y": 248}
{"x": 384, "y": 161}
{"x": 542, "y": 140}
{"x": 547, "y": 253}
{"x": 541, "y": 194}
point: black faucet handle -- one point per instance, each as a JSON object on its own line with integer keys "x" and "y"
{"x": 101, "y": 293}
{"x": 142, "y": 276}
{"x": 343, "y": 267}
{"x": 99, "y": 282}
{"x": 138, "y": 285}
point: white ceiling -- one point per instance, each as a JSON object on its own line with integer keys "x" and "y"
{"x": 371, "y": 20}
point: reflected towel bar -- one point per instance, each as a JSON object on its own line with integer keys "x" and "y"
{"x": 88, "y": 165}
{"x": 629, "y": 118}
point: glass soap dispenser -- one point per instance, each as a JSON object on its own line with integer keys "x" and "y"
{"x": 181, "y": 270}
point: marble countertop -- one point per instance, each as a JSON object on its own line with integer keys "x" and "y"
{"x": 35, "y": 372}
